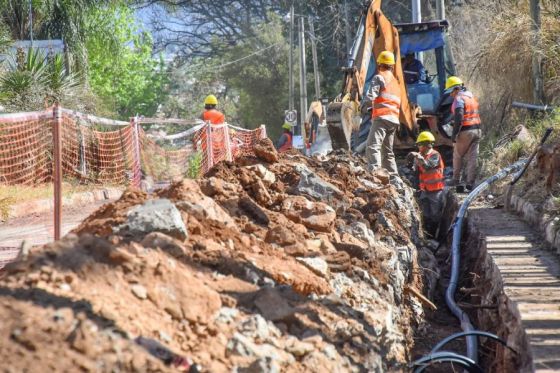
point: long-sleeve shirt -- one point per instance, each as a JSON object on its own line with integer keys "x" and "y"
{"x": 430, "y": 163}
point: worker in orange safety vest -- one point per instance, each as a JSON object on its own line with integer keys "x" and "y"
{"x": 285, "y": 141}
{"x": 466, "y": 132}
{"x": 429, "y": 164}
{"x": 210, "y": 113}
{"x": 384, "y": 95}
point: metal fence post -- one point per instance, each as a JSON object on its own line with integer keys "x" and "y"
{"x": 57, "y": 170}
{"x": 137, "y": 171}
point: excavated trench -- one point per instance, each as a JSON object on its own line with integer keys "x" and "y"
{"x": 481, "y": 294}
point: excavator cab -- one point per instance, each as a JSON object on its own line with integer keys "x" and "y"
{"x": 427, "y": 89}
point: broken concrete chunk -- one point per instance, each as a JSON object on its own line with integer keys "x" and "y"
{"x": 159, "y": 215}
{"x": 265, "y": 175}
{"x": 265, "y": 150}
{"x": 313, "y": 215}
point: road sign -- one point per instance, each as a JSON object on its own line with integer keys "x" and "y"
{"x": 290, "y": 116}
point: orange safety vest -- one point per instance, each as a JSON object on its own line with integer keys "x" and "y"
{"x": 388, "y": 103}
{"x": 287, "y": 145}
{"x": 213, "y": 116}
{"x": 471, "y": 115}
{"x": 431, "y": 180}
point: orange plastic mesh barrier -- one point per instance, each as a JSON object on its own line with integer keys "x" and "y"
{"x": 110, "y": 156}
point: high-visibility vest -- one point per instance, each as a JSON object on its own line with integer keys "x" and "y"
{"x": 388, "y": 103}
{"x": 288, "y": 144}
{"x": 431, "y": 180}
{"x": 213, "y": 116}
{"x": 471, "y": 115}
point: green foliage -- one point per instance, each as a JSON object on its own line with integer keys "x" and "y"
{"x": 122, "y": 70}
{"x": 35, "y": 79}
{"x": 261, "y": 80}
{"x": 195, "y": 165}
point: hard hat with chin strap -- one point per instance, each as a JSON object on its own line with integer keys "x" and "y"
{"x": 287, "y": 126}
{"x": 210, "y": 100}
{"x": 425, "y": 137}
{"x": 386, "y": 58}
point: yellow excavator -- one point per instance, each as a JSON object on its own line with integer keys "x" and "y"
{"x": 424, "y": 103}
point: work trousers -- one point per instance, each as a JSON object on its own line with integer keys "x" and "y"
{"x": 431, "y": 204}
{"x": 379, "y": 149}
{"x": 465, "y": 150}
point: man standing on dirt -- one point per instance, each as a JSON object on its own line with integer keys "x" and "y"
{"x": 429, "y": 164}
{"x": 466, "y": 131}
{"x": 385, "y": 93}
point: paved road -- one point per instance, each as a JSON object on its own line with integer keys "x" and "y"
{"x": 531, "y": 279}
{"x": 39, "y": 229}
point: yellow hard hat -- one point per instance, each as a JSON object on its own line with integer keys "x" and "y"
{"x": 425, "y": 136}
{"x": 386, "y": 58}
{"x": 452, "y": 82}
{"x": 287, "y": 126}
{"x": 210, "y": 100}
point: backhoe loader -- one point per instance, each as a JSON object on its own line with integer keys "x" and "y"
{"x": 424, "y": 105}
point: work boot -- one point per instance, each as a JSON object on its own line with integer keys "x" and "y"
{"x": 460, "y": 189}
{"x": 469, "y": 188}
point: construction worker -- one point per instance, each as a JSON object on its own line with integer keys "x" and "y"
{"x": 414, "y": 70}
{"x": 210, "y": 113}
{"x": 466, "y": 131}
{"x": 285, "y": 141}
{"x": 385, "y": 93}
{"x": 429, "y": 164}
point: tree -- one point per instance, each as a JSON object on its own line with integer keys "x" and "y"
{"x": 122, "y": 70}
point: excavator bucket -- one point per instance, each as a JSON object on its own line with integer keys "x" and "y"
{"x": 375, "y": 35}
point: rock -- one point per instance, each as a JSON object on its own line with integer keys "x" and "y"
{"x": 313, "y": 215}
{"x": 226, "y": 315}
{"x": 312, "y": 185}
{"x": 166, "y": 243}
{"x": 262, "y": 365}
{"x": 257, "y": 328}
{"x": 253, "y": 210}
{"x": 272, "y": 305}
{"x": 386, "y": 223}
{"x": 318, "y": 265}
{"x": 140, "y": 291}
{"x": 158, "y": 215}
{"x": 241, "y": 345}
{"x": 281, "y": 236}
{"x": 299, "y": 348}
{"x": 265, "y": 150}
{"x": 381, "y": 176}
{"x": 266, "y": 176}
{"x": 362, "y": 232}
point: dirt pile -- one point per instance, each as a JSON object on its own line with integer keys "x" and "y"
{"x": 290, "y": 264}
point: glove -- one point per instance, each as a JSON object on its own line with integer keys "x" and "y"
{"x": 416, "y": 155}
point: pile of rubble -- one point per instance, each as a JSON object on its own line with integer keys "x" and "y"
{"x": 268, "y": 264}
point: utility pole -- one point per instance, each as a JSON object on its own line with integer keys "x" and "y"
{"x": 315, "y": 62}
{"x": 440, "y": 9}
{"x": 302, "y": 78}
{"x": 417, "y": 18}
{"x": 291, "y": 59}
{"x": 347, "y": 28}
{"x": 538, "y": 84}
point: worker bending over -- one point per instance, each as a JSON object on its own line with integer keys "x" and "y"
{"x": 466, "y": 131}
{"x": 429, "y": 164}
{"x": 385, "y": 93}
{"x": 210, "y": 113}
{"x": 285, "y": 140}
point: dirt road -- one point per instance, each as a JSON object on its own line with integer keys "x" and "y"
{"x": 38, "y": 229}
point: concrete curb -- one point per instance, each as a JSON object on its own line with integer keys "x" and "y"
{"x": 76, "y": 199}
{"x": 548, "y": 225}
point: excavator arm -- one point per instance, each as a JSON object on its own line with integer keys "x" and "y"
{"x": 375, "y": 34}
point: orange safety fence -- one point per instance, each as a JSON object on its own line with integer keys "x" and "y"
{"x": 93, "y": 151}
